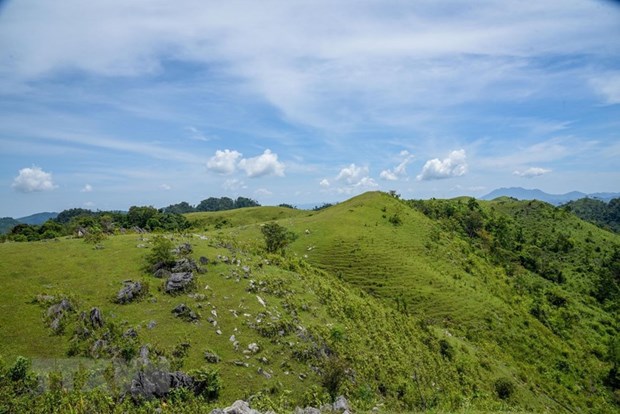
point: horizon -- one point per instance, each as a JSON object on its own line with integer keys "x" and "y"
{"x": 106, "y": 105}
{"x": 312, "y": 205}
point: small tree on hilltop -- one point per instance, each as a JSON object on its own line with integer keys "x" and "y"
{"x": 276, "y": 237}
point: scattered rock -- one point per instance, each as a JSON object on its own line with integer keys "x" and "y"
{"x": 147, "y": 385}
{"x": 212, "y": 357}
{"x": 144, "y": 354}
{"x": 178, "y": 282}
{"x": 341, "y": 404}
{"x": 241, "y": 364}
{"x": 98, "y": 348}
{"x": 95, "y": 317}
{"x": 238, "y": 407}
{"x": 261, "y": 301}
{"x": 129, "y": 292}
{"x": 253, "y": 348}
{"x": 264, "y": 373}
{"x": 307, "y": 410}
{"x": 141, "y": 246}
{"x": 60, "y": 308}
{"x": 151, "y": 325}
{"x": 203, "y": 260}
{"x": 185, "y": 265}
{"x": 183, "y": 249}
{"x": 162, "y": 273}
{"x": 184, "y": 312}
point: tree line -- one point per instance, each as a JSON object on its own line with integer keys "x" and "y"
{"x": 211, "y": 204}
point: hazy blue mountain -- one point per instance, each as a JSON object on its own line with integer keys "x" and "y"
{"x": 38, "y": 218}
{"x": 6, "y": 224}
{"x": 535, "y": 194}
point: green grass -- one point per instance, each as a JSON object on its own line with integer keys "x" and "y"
{"x": 422, "y": 316}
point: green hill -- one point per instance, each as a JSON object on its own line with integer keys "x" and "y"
{"x": 444, "y": 305}
{"x": 601, "y": 213}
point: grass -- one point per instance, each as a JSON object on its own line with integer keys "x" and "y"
{"x": 421, "y": 316}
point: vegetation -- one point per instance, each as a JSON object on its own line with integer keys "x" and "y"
{"x": 211, "y": 204}
{"x": 94, "y": 226}
{"x": 276, "y": 237}
{"x": 605, "y": 215}
{"x": 437, "y": 305}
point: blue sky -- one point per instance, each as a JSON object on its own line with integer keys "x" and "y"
{"x": 108, "y": 104}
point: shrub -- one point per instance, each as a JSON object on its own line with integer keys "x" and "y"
{"x": 207, "y": 383}
{"x": 276, "y": 237}
{"x": 161, "y": 253}
{"x": 504, "y": 387}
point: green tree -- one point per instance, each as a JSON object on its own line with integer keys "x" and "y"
{"x": 276, "y": 237}
{"x": 161, "y": 253}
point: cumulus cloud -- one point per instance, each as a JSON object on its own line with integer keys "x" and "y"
{"x": 354, "y": 178}
{"x": 400, "y": 171}
{"x": 224, "y": 162}
{"x": 532, "y": 172}
{"x": 455, "y": 165}
{"x": 324, "y": 183}
{"x": 165, "y": 187}
{"x": 33, "y": 179}
{"x": 265, "y": 164}
{"x": 87, "y": 188}
{"x": 352, "y": 174}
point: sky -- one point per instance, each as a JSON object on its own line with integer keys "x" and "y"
{"x": 109, "y": 104}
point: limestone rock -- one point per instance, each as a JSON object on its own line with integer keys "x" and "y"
{"x": 178, "y": 282}
{"x": 129, "y": 292}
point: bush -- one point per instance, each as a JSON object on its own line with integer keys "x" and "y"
{"x": 276, "y": 237}
{"x": 207, "y": 383}
{"x": 161, "y": 253}
{"x": 504, "y": 388}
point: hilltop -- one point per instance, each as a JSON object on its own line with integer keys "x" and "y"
{"x": 406, "y": 305}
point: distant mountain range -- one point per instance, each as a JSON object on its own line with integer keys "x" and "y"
{"x": 535, "y": 194}
{"x": 7, "y": 223}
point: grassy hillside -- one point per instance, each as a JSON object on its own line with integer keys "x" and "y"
{"x": 443, "y": 305}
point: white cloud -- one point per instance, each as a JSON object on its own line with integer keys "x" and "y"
{"x": 354, "y": 178}
{"x": 89, "y": 204}
{"x": 224, "y": 162}
{"x": 366, "y": 182}
{"x": 87, "y": 188}
{"x": 532, "y": 172}
{"x": 233, "y": 184}
{"x": 265, "y": 164}
{"x": 400, "y": 171}
{"x": 298, "y": 61}
{"x": 165, "y": 187}
{"x": 352, "y": 174}
{"x": 608, "y": 87}
{"x": 196, "y": 134}
{"x": 33, "y": 179}
{"x": 453, "y": 166}
{"x": 388, "y": 175}
{"x": 324, "y": 183}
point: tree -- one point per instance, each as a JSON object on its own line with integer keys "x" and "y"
{"x": 161, "y": 253}
{"x": 276, "y": 237}
{"x": 242, "y": 202}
